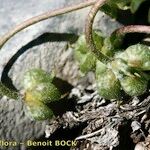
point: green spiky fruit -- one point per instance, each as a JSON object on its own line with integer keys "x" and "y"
{"x": 107, "y": 83}
{"x": 137, "y": 56}
{"x": 44, "y": 92}
{"x": 134, "y": 86}
{"x": 38, "y": 91}
{"x": 38, "y": 111}
{"x": 120, "y": 68}
{"x": 87, "y": 62}
{"x": 34, "y": 77}
{"x": 111, "y": 45}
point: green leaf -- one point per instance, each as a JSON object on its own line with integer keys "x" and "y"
{"x": 107, "y": 48}
{"x": 110, "y": 9}
{"x": 112, "y": 6}
{"x": 112, "y": 45}
{"x": 81, "y": 45}
{"x": 100, "y": 68}
{"x": 88, "y": 63}
{"x": 98, "y": 39}
{"x": 86, "y": 59}
{"x": 107, "y": 84}
{"x": 122, "y": 4}
{"x": 135, "y": 5}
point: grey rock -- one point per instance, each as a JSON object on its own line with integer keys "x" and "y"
{"x": 51, "y": 55}
{"x": 135, "y": 126}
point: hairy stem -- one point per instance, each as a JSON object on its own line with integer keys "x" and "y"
{"x": 132, "y": 29}
{"x": 89, "y": 33}
{"x": 43, "y": 16}
{"x": 121, "y": 32}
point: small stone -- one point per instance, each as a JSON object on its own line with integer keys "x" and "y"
{"x": 140, "y": 146}
{"x": 135, "y": 126}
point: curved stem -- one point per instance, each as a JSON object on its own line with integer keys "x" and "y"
{"x": 132, "y": 29}
{"x": 41, "y": 17}
{"x": 121, "y": 32}
{"x": 89, "y": 33}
